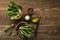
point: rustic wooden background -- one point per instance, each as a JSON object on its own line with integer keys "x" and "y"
{"x": 49, "y": 10}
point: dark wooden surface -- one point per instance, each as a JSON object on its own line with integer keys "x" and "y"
{"x": 49, "y": 10}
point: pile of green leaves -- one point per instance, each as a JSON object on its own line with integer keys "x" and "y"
{"x": 26, "y": 31}
{"x": 9, "y": 29}
{"x": 13, "y": 10}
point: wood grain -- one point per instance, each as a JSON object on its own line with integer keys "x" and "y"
{"x": 49, "y": 10}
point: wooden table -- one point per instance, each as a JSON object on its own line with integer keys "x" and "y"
{"x": 49, "y": 10}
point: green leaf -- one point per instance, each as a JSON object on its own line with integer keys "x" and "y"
{"x": 13, "y": 10}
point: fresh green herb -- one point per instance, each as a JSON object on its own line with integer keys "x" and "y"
{"x": 9, "y": 29}
{"x": 13, "y": 10}
{"x": 26, "y": 30}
